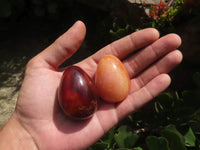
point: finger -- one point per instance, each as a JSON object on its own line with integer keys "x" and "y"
{"x": 122, "y": 47}
{"x": 165, "y": 65}
{"x": 141, "y": 60}
{"x": 137, "y": 99}
{"x": 64, "y": 47}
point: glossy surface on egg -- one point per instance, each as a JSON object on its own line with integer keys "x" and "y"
{"x": 111, "y": 79}
{"x": 77, "y": 94}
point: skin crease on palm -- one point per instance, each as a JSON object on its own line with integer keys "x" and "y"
{"x": 37, "y": 109}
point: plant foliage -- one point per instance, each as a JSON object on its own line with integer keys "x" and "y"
{"x": 170, "y": 122}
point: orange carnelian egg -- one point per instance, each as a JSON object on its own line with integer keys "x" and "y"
{"x": 111, "y": 79}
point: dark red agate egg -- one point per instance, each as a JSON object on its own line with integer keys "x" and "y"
{"x": 77, "y": 94}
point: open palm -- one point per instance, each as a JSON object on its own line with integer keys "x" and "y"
{"x": 37, "y": 107}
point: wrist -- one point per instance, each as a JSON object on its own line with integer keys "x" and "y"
{"x": 14, "y": 136}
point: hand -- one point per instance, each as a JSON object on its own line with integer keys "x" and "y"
{"x": 38, "y": 113}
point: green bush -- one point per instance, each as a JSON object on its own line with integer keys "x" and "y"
{"x": 170, "y": 122}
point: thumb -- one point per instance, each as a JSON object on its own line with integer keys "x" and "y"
{"x": 64, "y": 47}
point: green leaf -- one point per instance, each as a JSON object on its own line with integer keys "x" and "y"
{"x": 99, "y": 146}
{"x": 191, "y": 98}
{"x": 121, "y": 32}
{"x": 173, "y": 128}
{"x": 164, "y": 102}
{"x": 157, "y": 143}
{"x": 108, "y": 138}
{"x": 175, "y": 139}
{"x": 153, "y": 24}
{"x": 131, "y": 140}
{"x": 137, "y": 148}
{"x": 190, "y": 138}
{"x": 196, "y": 115}
{"x": 125, "y": 138}
{"x": 106, "y": 142}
